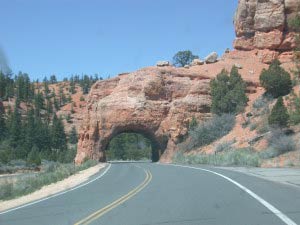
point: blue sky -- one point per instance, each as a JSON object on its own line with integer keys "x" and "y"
{"x": 64, "y": 37}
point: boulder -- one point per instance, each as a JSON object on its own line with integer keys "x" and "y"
{"x": 239, "y": 66}
{"x": 211, "y": 58}
{"x": 197, "y": 62}
{"x": 163, "y": 63}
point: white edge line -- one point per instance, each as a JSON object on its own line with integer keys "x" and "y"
{"x": 58, "y": 194}
{"x": 272, "y": 208}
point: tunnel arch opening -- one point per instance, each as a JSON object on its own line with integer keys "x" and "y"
{"x": 157, "y": 146}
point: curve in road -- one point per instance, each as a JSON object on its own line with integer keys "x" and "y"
{"x": 127, "y": 195}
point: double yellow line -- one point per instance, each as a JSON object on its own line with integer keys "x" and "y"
{"x": 116, "y": 203}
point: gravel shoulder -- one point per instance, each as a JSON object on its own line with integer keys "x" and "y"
{"x": 290, "y": 176}
{"x": 54, "y": 188}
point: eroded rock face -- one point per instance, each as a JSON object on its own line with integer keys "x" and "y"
{"x": 263, "y": 24}
{"x": 156, "y": 102}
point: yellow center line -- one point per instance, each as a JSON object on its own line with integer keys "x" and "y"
{"x": 117, "y": 202}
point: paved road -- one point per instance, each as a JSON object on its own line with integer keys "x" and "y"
{"x": 148, "y": 194}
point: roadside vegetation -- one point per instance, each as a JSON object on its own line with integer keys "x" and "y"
{"x": 52, "y": 172}
{"x": 231, "y": 157}
{"x": 273, "y": 113}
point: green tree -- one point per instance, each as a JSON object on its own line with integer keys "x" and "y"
{"x": 72, "y": 85}
{"x": 294, "y": 109}
{"x": 276, "y": 80}
{"x": 73, "y": 136}
{"x": 39, "y": 103}
{"x": 34, "y": 156}
{"x": 193, "y": 123}
{"x": 279, "y": 116}
{"x": 3, "y": 128}
{"x": 53, "y": 79}
{"x": 59, "y": 140}
{"x": 16, "y": 127}
{"x": 183, "y": 58}
{"x": 228, "y": 92}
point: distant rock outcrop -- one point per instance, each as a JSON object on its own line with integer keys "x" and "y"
{"x": 263, "y": 24}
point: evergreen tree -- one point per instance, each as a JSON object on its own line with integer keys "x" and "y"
{"x": 53, "y": 79}
{"x": 59, "y": 140}
{"x": 29, "y": 128}
{"x": 62, "y": 97}
{"x": 39, "y": 103}
{"x": 16, "y": 127}
{"x": 276, "y": 80}
{"x": 72, "y": 86}
{"x": 73, "y": 136}
{"x": 228, "y": 92}
{"x": 34, "y": 156}
{"x": 183, "y": 58}
{"x": 279, "y": 116}
{"x": 43, "y": 138}
{"x": 3, "y": 128}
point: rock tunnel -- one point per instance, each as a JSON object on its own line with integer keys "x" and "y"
{"x": 158, "y": 144}
{"x": 156, "y": 102}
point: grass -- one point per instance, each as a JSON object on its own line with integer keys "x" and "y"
{"x": 233, "y": 157}
{"x": 53, "y": 172}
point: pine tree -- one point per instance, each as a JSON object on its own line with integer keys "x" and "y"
{"x": 279, "y": 116}
{"x": 72, "y": 85}
{"x": 276, "y": 80}
{"x": 29, "y": 128}
{"x": 39, "y": 103}
{"x": 3, "y": 128}
{"x": 16, "y": 127}
{"x": 59, "y": 140}
{"x": 228, "y": 92}
{"x": 73, "y": 136}
{"x": 34, "y": 156}
{"x": 53, "y": 79}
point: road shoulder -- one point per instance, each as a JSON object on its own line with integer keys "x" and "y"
{"x": 288, "y": 176}
{"x": 53, "y": 189}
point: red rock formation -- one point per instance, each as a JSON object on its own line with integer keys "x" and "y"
{"x": 157, "y": 102}
{"x": 264, "y": 25}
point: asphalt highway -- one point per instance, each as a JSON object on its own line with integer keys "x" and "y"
{"x": 152, "y": 194}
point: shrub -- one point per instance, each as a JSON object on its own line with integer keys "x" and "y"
{"x": 34, "y": 156}
{"x": 276, "y": 80}
{"x": 294, "y": 109}
{"x": 224, "y": 146}
{"x": 235, "y": 157}
{"x": 279, "y": 116}
{"x": 228, "y": 92}
{"x": 209, "y": 131}
{"x": 193, "y": 123}
{"x": 280, "y": 143}
{"x": 183, "y": 58}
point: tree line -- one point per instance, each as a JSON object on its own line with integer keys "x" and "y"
{"x": 31, "y": 129}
